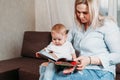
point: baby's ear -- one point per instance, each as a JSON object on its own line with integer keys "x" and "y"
{"x": 66, "y": 35}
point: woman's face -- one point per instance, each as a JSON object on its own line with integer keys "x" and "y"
{"x": 82, "y": 13}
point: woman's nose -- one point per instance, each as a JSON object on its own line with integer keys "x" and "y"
{"x": 81, "y": 15}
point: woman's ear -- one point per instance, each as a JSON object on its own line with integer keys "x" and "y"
{"x": 67, "y": 31}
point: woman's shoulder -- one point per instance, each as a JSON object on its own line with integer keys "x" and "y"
{"x": 109, "y": 21}
{"x": 108, "y": 26}
{"x": 74, "y": 29}
{"x": 68, "y": 42}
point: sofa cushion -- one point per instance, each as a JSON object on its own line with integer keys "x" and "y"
{"x": 34, "y": 41}
{"x": 9, "y": 69}
{"x": 118, "y": 68}
{"x": 24, "y": 68}
{"x": 9, "y": 75}
{"x": 117, "y": 77}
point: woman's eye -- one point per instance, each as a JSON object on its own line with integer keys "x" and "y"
{"x": 78, "y": 12}
{"x": 85, "y": 12}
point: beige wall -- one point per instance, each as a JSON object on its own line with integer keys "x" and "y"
{"x": 16, "y": 16}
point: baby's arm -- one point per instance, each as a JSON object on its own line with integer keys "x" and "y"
{"x": 37, "y": 54}
{"x": 74, "y": 56}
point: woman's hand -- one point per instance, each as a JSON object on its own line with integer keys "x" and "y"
{"x": 83, "y": 61}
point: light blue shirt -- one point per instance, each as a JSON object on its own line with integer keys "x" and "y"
{"x": 103, "y": 42}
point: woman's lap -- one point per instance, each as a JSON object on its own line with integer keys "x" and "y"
{"x": 86, "y": 75}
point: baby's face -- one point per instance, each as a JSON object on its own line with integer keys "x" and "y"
{"x": 58, "y": 39}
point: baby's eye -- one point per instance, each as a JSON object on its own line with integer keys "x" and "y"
{"x": 59, "y": 39}
{"x": 54, "y": 39}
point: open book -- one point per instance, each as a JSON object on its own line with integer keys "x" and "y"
{"x": 60, "y": 63}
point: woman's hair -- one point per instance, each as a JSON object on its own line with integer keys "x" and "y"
{"x": 93, "y": 6}
{"x": 59, "y": 28}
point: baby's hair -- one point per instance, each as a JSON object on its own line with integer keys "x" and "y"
{"x": 59, "y": 28}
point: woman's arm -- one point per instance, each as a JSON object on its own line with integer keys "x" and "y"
{"x": 112, "y": 41}
{"x": 111, "y": 34}
{"x": 83, "y": 61}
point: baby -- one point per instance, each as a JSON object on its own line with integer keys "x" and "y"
{"x": 60, "y": 47}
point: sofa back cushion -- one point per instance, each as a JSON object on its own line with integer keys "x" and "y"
{"x": 33, "y": 42}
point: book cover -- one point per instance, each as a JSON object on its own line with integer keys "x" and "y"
{"x": 48, "y": 55}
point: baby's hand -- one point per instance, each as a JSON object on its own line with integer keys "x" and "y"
{"x": 74, "y": 59}
{"x": 37, "y": 54}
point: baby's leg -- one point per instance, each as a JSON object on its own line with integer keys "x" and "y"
{"x": 42, "y": 70}
{"x": 49, "y": 72}
{"x": 68, "y": 71}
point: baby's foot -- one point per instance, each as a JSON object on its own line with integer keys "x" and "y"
{"x": 68, "y": 71}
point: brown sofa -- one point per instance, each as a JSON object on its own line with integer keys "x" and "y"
{"x": 26, "y": 67}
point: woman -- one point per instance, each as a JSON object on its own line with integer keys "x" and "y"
{"x": 97, "y": 38}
